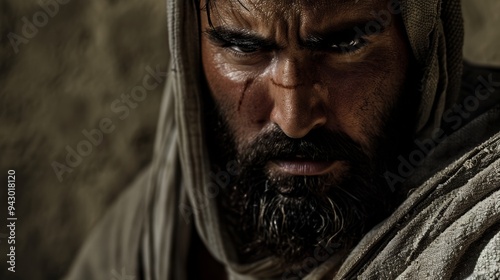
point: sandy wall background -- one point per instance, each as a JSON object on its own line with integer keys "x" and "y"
{"x": 61, "y": 81}
{"x": 64, "y": 78}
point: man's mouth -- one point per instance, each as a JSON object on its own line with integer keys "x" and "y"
{"x": 300, "y": 166}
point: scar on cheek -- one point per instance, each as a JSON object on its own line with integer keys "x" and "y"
{"x": 245, "y": 88}
{"x": 285, "y": 86}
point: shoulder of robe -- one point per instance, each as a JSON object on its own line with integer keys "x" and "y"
{"x": 111, "y": 251}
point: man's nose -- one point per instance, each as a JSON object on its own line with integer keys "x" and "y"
{"x": 298, "y": 98}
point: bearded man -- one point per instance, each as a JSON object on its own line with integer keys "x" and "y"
{"x": 304, "y": 139}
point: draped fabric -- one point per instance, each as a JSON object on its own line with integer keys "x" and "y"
{"x": 147, "y": 233}
{"x": 439, "y": 231}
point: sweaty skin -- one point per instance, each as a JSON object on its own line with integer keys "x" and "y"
{"x": 268, "y": 71}
{"x": 301, "y": 66}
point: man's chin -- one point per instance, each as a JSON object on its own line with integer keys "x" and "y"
{"x": 292, "y": 217}
{"x": 294, "y": 227}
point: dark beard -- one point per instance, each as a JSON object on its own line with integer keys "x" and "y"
{"x": 292, "y": 216}
{"x": 265, "y": 216}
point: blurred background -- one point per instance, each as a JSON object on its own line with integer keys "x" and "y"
{"x": 61, "y": 81}
{"x": 65, "y": 67}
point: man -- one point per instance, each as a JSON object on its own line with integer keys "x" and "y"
{"x": 312, "y": 140}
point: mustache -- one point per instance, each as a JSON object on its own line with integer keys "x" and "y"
{"x": 318, "y": 145}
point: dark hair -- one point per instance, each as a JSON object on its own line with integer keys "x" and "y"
{"x": 209, "y": 6}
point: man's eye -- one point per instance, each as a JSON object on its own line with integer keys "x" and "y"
{"x": 242, "y": 49}
{"x": 349, "y": 46}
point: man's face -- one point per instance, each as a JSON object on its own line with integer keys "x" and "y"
{"x": 304, "y": 94}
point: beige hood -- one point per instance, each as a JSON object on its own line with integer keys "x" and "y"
{"x": 148, "y": 231}
{"x": 181, "y": 169}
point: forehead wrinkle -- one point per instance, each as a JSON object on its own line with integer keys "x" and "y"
{"x": 261, "y": 9}
{"x": 324, "y": 16}
{"x": 282, "y": 20}
{"x": 286, "y": 6}
{"x": 287, "y": 9}
{"x": 255, "y": 15}
{"x": 230, "y": 13}
{"x": 342, "y": 6}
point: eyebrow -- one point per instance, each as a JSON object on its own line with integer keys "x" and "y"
{"x": 223, "y": 36}
{"x": 339, "y": 33}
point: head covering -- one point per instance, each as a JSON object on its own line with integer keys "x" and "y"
{"x": 180, "y": 189}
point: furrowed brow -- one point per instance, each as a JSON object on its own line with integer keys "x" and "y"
{"x": 343, "y": 31}
{"x": 225, "y": 36}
